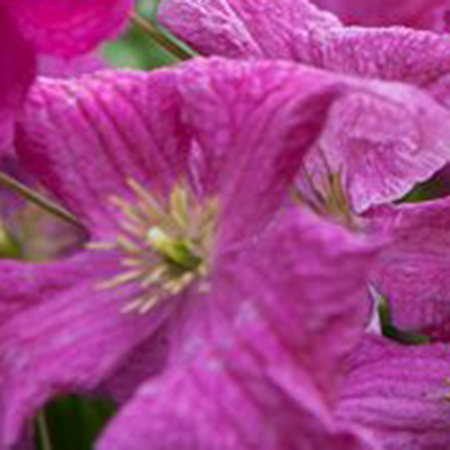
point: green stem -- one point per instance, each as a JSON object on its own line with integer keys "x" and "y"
{"x": 168, "y": 44}
{"x": 44, "y": 432}
{"x": 37, "y": 198}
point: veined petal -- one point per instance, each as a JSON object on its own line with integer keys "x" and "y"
{"x": 413, "y": 272}
{"x": 67, "y": 28}
{"x": 225, "y": 410}
{"x": 382, "y": 140}
{"x": 386, "y": 143}
{"x": 254, "y": 122}
{"x": 61, "y": 333}
{"x": 315, "y": 37}
{"x": 84, "y": 138}
{"x": 398, "y": 393}
{"x": 245, "y": 365}
{"x": 242, "y": 28}
{"x": 412, "y": 13}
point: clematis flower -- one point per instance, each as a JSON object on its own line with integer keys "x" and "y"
{"x": 377, "y": 161}
{"x": 422, "y": 14}
{"x": 177, "y": 176}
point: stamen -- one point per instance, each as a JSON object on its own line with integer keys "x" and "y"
{"x": 326, "y": 195}
{"x": 120, "y": 279}
{"x": 165, "y": 243}
{"x": 100, "y": 245}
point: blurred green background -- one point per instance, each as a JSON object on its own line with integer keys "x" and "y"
{"x": 134, "y": 48}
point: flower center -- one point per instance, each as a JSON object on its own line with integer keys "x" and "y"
{"x": 327, "y": 197}
{"x": 165, "y": 243}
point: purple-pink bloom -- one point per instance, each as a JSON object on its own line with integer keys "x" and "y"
{"x": 385, "y": 151}
{"x": 210, "y": 148}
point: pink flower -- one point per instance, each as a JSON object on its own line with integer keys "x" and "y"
{"x": 179, "y": 177}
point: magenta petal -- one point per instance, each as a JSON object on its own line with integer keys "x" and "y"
{"x": 69, "y": 335}
{"x": 412, "y": 13}
{"x": 146, "y": 361}
{"x": 314, "y": 37}
{"x": 84, "y": 138}
{"x": 398, "y": 394}
{"x": 226, "y": 409}
{"x": 259, "y": 362}
{"x": 383, "y": 140}
{"x": 413, "y": 272}
{"x": 55, "y": 67}
{"x": 17, "y": 70}
{"x": 254, "y": 122}
{"x": 67, "y": 27}
{"x": 242, "y": 28}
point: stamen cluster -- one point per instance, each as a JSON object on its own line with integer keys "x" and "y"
{"x": 165, "y": 243}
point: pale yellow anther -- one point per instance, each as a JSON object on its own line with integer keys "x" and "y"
{"x": 165, "y": 244}
{"x": 159, "y": 240}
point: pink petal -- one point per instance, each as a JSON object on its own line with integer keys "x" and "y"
{"x": 242, "y": 28}
{"x": 83, "y": 138}
{"x": 65, "y": 68}
{"x": 412, "y": 13}
{"x": 296, "y": 30}
{"x": 398, "y": 394}
{"x": 258, "y": 362}
{"x": 413, "y": 272}
{"x": 61, "y": 333}
{"x": 253, "y": 122}
{"x": 67, "y": 28}
{"x": 383, "y": 139}
{"x": 17, "y": 64}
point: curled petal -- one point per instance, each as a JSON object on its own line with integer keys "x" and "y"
{"x": 382, "y": 141}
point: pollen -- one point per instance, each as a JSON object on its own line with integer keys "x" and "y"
{"x": 165, "y": 243}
